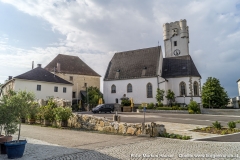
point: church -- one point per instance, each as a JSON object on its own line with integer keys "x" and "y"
{"x": 137, "y": 74}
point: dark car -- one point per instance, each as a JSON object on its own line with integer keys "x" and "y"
{"x": 103, "y": 108}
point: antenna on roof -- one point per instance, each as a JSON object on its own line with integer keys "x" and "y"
{"x": 158, "y": 43}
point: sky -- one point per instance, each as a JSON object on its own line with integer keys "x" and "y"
{"x": 96, "y": 29}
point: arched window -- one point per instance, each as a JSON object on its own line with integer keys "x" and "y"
{"x": 182, "y": 87}
{"x": 195, "y": 88}
{"x": 113, "y": 89}
{"x": 149, "y": 90}
{"x": 129, "y": 88}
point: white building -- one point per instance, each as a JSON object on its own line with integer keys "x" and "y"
{"x": 40, "y": 82}
{"x": 138, "y": 73}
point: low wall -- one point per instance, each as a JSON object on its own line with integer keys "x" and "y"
{"x": 90, "y": 122}
{"x": 165, "y": 111}
{"x": 221, "y": 111}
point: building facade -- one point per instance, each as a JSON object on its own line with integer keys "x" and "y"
{"x": 138, "y": 73}
{"x": 42, "y": 83}
{"x": 74, "y": 70}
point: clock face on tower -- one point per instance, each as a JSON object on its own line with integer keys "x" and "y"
{"x": 176, "y": 52}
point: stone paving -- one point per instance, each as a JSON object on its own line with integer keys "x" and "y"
{"x": 120, "y": 147}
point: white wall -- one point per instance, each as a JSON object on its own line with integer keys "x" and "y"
{"x": 139, "y": 87}
{"x": 47, "y": 89}
{"x": 173, "y": 84}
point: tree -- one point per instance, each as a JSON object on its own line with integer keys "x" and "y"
{"x": 213, "y": 94}
{"x": 170, "y": 96}
{"x": 159, "y": 95}
{"x": 93, "y": 94}
{"x": 17, "y": 105}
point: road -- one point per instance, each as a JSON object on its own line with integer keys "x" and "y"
{"x": 198, "y": 119}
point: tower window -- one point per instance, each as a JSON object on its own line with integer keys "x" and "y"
{"x": 175, "y": 43}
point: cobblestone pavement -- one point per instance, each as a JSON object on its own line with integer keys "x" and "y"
{"x": 117, "y": 147}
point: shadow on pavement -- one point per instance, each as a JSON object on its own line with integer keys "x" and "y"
{"x": 51, "y": 152}
{"x": 225, "y": 138}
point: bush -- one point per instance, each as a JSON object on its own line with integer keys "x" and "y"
{"x": 217, "y": 125}
{"x": 62, "y": 114}
{"x": 126, "y": 102}
{"x": 160, "y": 105}
{"x": 140, "y": 107}
{"x": 164, "y": 108}
{"x": 193, "y": 107}
{"x": 190, "y": 111}
{"x": 150, "y": 106}
{"x": 175, "y": 108}
{"x": 232, "y": 124}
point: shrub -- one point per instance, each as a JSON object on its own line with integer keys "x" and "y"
{"x": 126, "y": 102}
{"x": 175, "y": 108}
{"x": 164, "y": 108}
{"x": 160, "y": 105}
{"x": 150, "y": 106}
{"x": 62, "y": 114}
{"x": 193, "y": 107}
{"x": 191, "y": 111}
{"x": 232, "y": 125}
{"x": 140, "y": 107}
{"x": 217, "y": 125}
{"x": 46, "y": 112}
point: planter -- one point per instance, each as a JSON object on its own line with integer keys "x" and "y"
{"x": 31, "y": 121}
{"x": 46, "y": 122}
{"x": 63, "y": 123}
{"x": 127, "y": 109}
{"x": 23, "y": 120}
{"x": 15, "y": 149}
{"x": 4, "y": 139}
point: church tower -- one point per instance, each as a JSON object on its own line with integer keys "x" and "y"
{"x": 176, "y": 38}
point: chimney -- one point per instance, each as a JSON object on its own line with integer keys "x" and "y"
{"x": 39, "y": 65}
{"x": 9, "y": 77}
{"x": 58, "y": 67}
{"x": 32, "y": 64}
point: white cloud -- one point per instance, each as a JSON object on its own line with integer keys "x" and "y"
{"x": 95, "y": 29}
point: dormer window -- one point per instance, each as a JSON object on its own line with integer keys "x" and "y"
{"x": 117, "y": 74}
{"x": 144, "y": 71}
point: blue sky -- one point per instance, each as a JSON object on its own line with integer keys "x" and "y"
{"x": 94, "y": 30}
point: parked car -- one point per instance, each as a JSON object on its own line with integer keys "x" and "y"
{"x": 103, "y": 108}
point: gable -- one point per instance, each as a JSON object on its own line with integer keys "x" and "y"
{"x": 134, "y": 64}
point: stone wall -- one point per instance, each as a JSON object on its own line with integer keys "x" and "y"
{"x": 102, "y": 124}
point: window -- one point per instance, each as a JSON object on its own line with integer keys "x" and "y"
{"x": 149, "y": 90}
{"x": 113, "y": 89}
{"x": 55, "y": 89}
{"x": 85, "y": 84}
{"x": 64, "y": 89}
{"x": 71, "y": 78}
{"x": 129, "y": 88}
{"x": 195, "y": 88}
{"x": 73, "y": 94}
{"x": 182, "y": 89}
{"x": 38, "y": 87}
{"x": 175, "y": 43}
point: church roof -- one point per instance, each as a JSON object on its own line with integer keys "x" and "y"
{"x": 40, "y": 74}
{"x": 71, "y": 65}
{"x": 180, "y": 66}
{"x": 134, "y": 64}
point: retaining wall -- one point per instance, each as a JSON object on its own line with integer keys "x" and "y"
{"x": 90, "y": 122}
